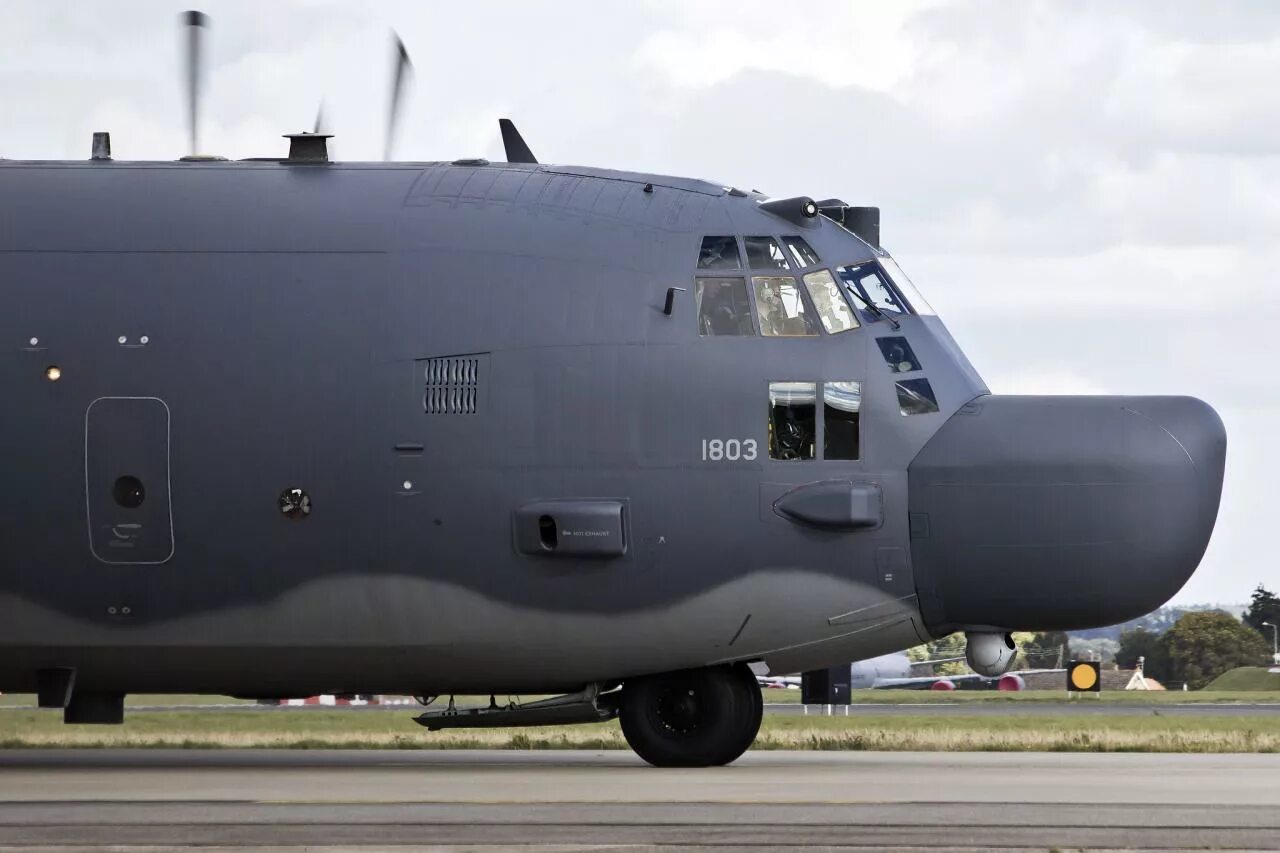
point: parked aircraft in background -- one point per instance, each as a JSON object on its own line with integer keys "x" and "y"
{"x": 899, "y": 672}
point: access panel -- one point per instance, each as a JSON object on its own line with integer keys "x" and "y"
{"x": 127, "y": 480}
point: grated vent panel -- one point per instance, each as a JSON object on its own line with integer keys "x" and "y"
{"x": 452, "y": 385}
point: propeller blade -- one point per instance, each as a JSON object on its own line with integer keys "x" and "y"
{"x": 517, "y": 150}
{"x": 401, "y": 71}
{"x": 195, "y": 23}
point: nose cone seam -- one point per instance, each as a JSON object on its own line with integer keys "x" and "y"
{"x": 1166, "y": 432}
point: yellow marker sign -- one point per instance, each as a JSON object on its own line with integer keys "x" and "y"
{"x": 1084, "y": 675}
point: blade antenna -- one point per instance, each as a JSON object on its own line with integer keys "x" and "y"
{"x": 195, "y": 24}
{"x": 401, "y": 71}
{"x": 319, "y": 127}
{"x": 517, "y": 149}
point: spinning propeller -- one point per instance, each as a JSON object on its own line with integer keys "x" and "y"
{"x": 196, "y": 23}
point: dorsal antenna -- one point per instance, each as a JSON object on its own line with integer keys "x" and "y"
{"x": 517, "y": 149}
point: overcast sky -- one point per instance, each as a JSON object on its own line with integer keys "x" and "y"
{"x": 1088, "y": 192}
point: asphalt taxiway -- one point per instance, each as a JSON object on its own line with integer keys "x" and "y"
{"x": 606, "y": 799}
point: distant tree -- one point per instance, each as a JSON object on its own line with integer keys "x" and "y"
{"x": 950, "y": 646}
{"x": 1099, "y": 648}
{"x": 1043, "y": 650}
{"x": 1158, "y": 621}
{"x": 1264, "y": 607}
{"x": 1202, "y": 646}
{"x": 1141, "y": 643}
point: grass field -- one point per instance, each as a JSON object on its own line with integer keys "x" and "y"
{"x": 1248, "y": 678}
{"x": 317, "y": 729}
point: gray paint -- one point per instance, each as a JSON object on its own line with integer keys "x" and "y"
{"x": 291, "y": 311}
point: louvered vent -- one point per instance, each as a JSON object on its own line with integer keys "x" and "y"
{"x": 452, "y": 385}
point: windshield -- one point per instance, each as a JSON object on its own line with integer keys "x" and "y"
{"x": 872, "y": 284}
{"x": 915, "y": 299}
{"x": 882, "y": 289}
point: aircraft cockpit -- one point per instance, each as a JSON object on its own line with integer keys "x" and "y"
{"x": 777, "y": 286}
{"x": 782, "y": 289}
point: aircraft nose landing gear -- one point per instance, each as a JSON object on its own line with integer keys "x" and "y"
{"x": 692, "y": 718}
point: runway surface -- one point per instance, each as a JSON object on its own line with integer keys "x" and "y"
{"x": 576, "y": 800}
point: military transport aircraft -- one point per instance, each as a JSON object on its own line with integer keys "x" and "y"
{"x": 290, "y": 426}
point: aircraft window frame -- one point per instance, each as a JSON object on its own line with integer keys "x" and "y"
{"x": 841, "y": 406}
{"x": 747, "y": 302}
{"x": 703, "y": 248}
{"x": 807, "y": 314}
{"x": 786, "y": 396}
{"x": 837, "y": 300}
{"x": 777, "y": 257}
{"x": 851, "y": 276}
{"x": 805, "y": 257}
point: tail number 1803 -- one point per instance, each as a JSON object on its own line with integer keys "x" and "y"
{"x": 728, "y": 449}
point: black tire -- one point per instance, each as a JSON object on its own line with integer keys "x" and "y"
{"x": 692, "y": 718}
{"x": 751, "y": 721}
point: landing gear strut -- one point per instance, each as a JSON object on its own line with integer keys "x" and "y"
{"x": 692, "y": 718}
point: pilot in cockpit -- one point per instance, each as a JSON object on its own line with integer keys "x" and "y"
{"x": 721, "y": 315}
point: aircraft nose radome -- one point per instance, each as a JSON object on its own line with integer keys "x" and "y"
{"x": 1043, "y": 513}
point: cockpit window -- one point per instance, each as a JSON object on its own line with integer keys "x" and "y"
{"x": 781, "y": 307}
{"x": 764, "y": 253}
{"x": 723, "y": 307}
{"x": 719, "y": 253}
{"x": 841, "y": 404}
{"x": 792, "y": 419}
{"x": 800, "y": 250}
{"x": 915, "y": 299}
{"x": 872, "y": 284}
{"x": 834, "y": 311}
{"x": 915, "y": 397}
{"x": 898, "y": 354}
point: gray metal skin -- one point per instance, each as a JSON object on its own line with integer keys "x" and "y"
{"x": 288, "y": 310}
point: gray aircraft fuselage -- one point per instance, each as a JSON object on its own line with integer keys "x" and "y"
{"x": 441, "y": 357}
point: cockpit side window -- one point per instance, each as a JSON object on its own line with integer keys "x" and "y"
{"x": 841, "y": 405}
{"x": 803, "y": 253}
{"x": 781, "y": 307}
{"x": 792, "y": 420}
{"x": 872, "y": 284}
{"x": 719, "y": 253}
{"x": 915, "y": 397}
{"x": 723, "y": 307}
{"x": 898, "y": 354}
{"x": 834, "y": 311}
{"x": 764, "y": 253}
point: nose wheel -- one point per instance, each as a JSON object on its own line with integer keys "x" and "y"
{"x": 692, "y": 718}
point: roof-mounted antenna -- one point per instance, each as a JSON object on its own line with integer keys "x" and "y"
{"x": 308, "y": 147}
{"x": 195, "y": 24}
{"x": 101, "y": 146}
{"x": 402, "y": 69}
{"x": 517, "y": 150}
